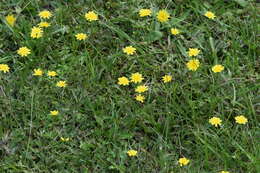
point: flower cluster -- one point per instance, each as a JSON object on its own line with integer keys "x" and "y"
{"x": 135, "y": 78}
{"x": 240, "y": 119}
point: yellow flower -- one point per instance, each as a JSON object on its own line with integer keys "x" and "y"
{"x": 37, "y": 72}
{"x": 36, "y": 32}
{"x": 81, "y": 36}
{"x": 209, "y": 15}
{"x": 52, "y": 73}
{"x": 61, "y": 84}
{"x": 145, "y": 12}
{"x": 23, "y": 51}
{"x": 193, "y": 51}
{"x": 183, "y": 161}
{"x": 136, "y": 78}
{"x": 45, "y": 14}
{"x": 215, "y": 121}
{"x": 217, "y": 68}
{"x": 175, "y": 31}
{"x": 224, "y": 172}
{"x": 4, "y": 67}
{"x": 54, "y": 112}
{"x": 167, "y": 78}
{"x": 193, "y": 64}
{"x": 10, "y": 19}
{"x": 132, "y": 153}
{"x": 129, "y": 50}
{"x": 241, "y": 119}
{"x": 163, "y": 16}
{"x": 140, "y": 98}
{"x": 91, "y": 16}
{"x": 123, "y": 81}
{"x": 64, "y": 139}
{"x": 44, "y": 24}
{"x": 141, "y": 89}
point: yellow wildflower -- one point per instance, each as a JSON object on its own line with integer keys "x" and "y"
{"x": 224, "y": 172}
{"x": 61, "y": 84}
{"x": 36, "y": 32}
{"x": 140, "y": 98}
{"x": 183, "y": 161}
{"x": 52, "y": 73}
{"x": 163, "y": 16}
{"x": 132, "y": 153}
{"x": 175, "y": 31}
{"x": 91, "y": 16}
{"x": 141, "y": 89}
{"x": 81, "y": 36}
{"x": 44, "y": 24}
{"x": 215, "y": 121}
{"x": 217, "y": 68}
{"x": 37, "y": 72}
{"x": 123, "y": 81}
{"x": 23, "y": 51}
{"x": 4, "y": 68}
{"x": 64, "y": 139}
{"x": 241, "y": 119}
{"x": 136, "y": 78}
{"x": 129, "y": 50}
{"x": 209, "y": 15}
{"x": 10, "y": 19}
{"x": 145, "y": 12}
{"x": 167, "y": 78}
{"x": 54, "y": 112}
{"x": 45, "y": 14}
{"x": 193, "y": 51}
{"x": 193, "y": 64}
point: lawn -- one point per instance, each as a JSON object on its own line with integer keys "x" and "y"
{"x": 100, "y": 86}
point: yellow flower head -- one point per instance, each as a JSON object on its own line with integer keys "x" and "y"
{"x": 241, "y": 119}
{"x": 140, "y": 98}
{"x": 145, "y": 12}
{"x": 61, "y": 84}
{"x": 81, "y": 36}
{"x": 54, "y": 112}
{"x": 215, "y": 121}
{"x": 193, "y": 51}
{"x": 193, "y": 64}
{"x": 132, "y": 153}
{"x": 64, "y": 139}
{"x": 167, "y": 78}
{"x": 23, "y": 51}
{"x": 45, "y": 14}
{"x": 36, "y": 32}
{"x": 183, "y": 161}
{"x": 224, "y": 172}
{"x": 4, "y": 68}
{"x": 217, "y": 68}
{"x": 44, "y": 24}
{"x": 52, "y": 73}
{"x": 141, "y": 88}
{"x": 136, "y": 78}
{"x": 129, "y": 50}
{"x": 209, "y": 15}
{"x": 10, "y": 19}
{"x": 163, "y": 16}
{"x": 91, "y": 16}
{"x": 37, "y": 72}
{"x": 123, "y": 81}
{"x": 175, "y": 31}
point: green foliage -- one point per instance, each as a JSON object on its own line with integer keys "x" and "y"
{"x": 102, "y": 119}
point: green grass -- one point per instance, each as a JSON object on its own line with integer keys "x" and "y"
{"x": 102, "y": 118}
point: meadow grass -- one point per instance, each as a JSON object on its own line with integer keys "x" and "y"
{"x": 101, "y": 118}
